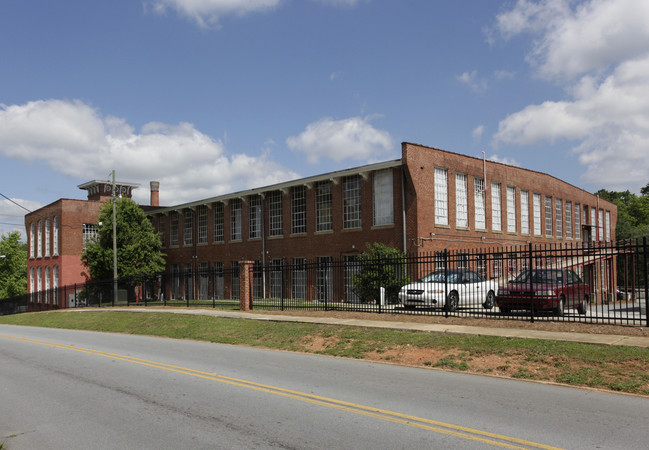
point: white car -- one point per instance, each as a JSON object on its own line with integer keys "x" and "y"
{"x": 450, "y": 289}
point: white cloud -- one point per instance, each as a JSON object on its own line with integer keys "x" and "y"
{"x": 504, "y": 160}
{"x": 208, "y": 12}
{"x": 12, "y": 216}
{"x": 353, "y": 138}
{"x": 599, "y": 50}
{"x": 74, "y": 139}
{"x": 478, "y": 132}
{"x": 473, "y": 80}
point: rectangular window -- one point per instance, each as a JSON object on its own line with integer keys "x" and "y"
{"x": 202, "y": 224}
{"x": 188, "y": 278}
{"x": 203, "y": 280}
{"x": 275, "y": 213}
{"x": 175, "y": 281}
{"x": 536, "y": 212}
{"x": 548, "y": 216}
{"x": 600, "y": 226}
{"x": 162, "y": 230}
{"x": 55, "y": 285}
{"x": 525, "y": 212}
{"x": 55, "y": 237}
{"x": 39, "y": 242}
{"x": 498, "y": 265}
{"x": 608, "y": 226}
{"x": 479, "y": 200}
{"x": 188, "y": 227}
{"x": 511, "y": 209}
{"x": 496, "y": 209}
{"x": 234, "y": 279}
{"x": 299, "y": 278}
{"x": 47, "y": 237}
{"x": 47, "y": 284}
{"x": 559, "y": 216}
{"x": 352, "y": 202}
{"x": 32, "y": 242}
{"x": 254, "y": 218}
{"x": 235, "y": 219}
{"x": 298, "y": 210}
{"x": 219, "y": 222}
{"x": 461, "y": 201}
{"x": 568, "y": 219}
{"x": 219, "y": 286}
{"x": 441, "y": 196}
{"x": 593, "y": 222}
{"x": 173, "y": 238}
{"x": 323, "y": 196}
{"x": 324, "y": 278}
{"x": 351, "y": 269}
{"x": 90, "y": 233}
{"x": 276, "y": 268}
{"x": 383, "y": 198}
{"x": 577, "y": 221}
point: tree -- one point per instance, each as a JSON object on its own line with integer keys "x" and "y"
{"x": 380, "y": 266}
{"x": 138, "y": 245}
{"x": 632, "y": 212}
{"x": 13, "y": 265}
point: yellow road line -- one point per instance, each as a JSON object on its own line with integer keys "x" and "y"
{"x": 391, "y": 416}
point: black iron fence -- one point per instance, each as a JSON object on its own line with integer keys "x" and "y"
{"x": 601, "y": 283}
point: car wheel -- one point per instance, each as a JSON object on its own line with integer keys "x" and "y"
{"x": 558, "y": 311}
{"x": 452, "y": 301}
{"x": 490, "y": 301}
{"x": 582, "y": 308}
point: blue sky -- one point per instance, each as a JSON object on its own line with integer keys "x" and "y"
{"x": 214, "y": 96}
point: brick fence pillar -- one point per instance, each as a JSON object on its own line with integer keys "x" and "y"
{"x": 245, "y": 282}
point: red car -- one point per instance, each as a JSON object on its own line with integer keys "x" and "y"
{"x": 552, "y": 289}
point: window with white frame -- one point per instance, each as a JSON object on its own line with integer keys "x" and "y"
{"x": 525, "y": 212}
{"x": 352, "y": 202}
{"x": 254, "y": 217}
{"x": 441, "y": 196}
{"x": 90, "y": 233}
{"x": 600, "y": 226}
{"x": 511, "y": 209}
{"x": 219, "y": 222}
{"x": 39, "y": 242}
{"x": 479, "y": 203}
{"x": 55, "y": 237}
{"x": 31, "y": 280}
{"x": 548, "y": 216}
{"x": 46, "y": 288}
{"x": 593, "y": 222}
{"x": 298, "y": 209}
{"x": 234, "y": 279}
{"x": 55, "y": 285}
{"x": 202, "y": 224}
{"x": 577, "y": 221}
{"x": 39, "y": 282}
{"x": 461, "y": 201}
{"x": 235, "y": 219}
{"x": 383, "y": 198}
{"x": 496, "y": 208}
{"x": 298, "y": 272}
{"x": 188, "y": 227}
{"x": 173, "y": 235}
{"x": 275, "y": 214}
{"x": 536, "y": 214}
{"x": 559, "y": 216}
{"x": 32, "y": 242}
{"x": 323, "y": 199}
{"x": 608, "y": 226}
{"x": 47, "y": 237}
{"x": 568, "y": 219}
{"x": 219, "y": 282}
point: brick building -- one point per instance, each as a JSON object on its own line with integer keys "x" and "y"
{"x": 425, "y": 202}
{"x": 56, "y": 236}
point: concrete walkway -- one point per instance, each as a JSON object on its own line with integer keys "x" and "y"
{"x": 604, "y": 339}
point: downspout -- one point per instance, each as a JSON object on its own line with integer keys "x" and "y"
{"x": 403, "y": 209}
{"x": 263, "y": 245}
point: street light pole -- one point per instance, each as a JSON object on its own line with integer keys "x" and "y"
{"x": 114, "y": 245}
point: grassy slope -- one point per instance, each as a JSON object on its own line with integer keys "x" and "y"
{"x": 617, "y": 368}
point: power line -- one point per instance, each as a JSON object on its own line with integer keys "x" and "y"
{"x": 15, "y": 203}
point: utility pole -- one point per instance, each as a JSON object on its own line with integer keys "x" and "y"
{"x": 114, "y": 245}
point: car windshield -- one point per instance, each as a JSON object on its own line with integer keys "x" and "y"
{"x": 540, "y": 276}
{"x": 440, "y": 277}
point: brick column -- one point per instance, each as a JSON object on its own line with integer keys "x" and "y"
{"x": 245, "y": 282}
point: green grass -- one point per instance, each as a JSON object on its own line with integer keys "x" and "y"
{"x": 617, "y": 368}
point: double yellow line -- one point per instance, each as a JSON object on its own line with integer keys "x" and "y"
{"x": 368, "y": 411}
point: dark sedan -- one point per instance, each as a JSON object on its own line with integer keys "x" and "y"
{"x": 550, "y": 289}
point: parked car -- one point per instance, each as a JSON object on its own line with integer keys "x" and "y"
{"x": 553, "y": 289}
{"x": 450, "y": 289}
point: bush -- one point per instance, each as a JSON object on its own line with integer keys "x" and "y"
{"x": 380, "y": 267}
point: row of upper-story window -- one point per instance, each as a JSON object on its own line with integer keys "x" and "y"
{"x": 295, "y": 199}
{"x": 550, "y": 216}
{"x": 44, "y": 238}
{"x": 41, "y": 279}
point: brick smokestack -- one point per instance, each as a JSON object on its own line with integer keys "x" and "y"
{"x": 155, "y": 193}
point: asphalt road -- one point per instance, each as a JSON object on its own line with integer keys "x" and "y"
{"x": 64, "y": 389}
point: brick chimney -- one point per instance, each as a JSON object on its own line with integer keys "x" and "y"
{"x": 155, "y": 193}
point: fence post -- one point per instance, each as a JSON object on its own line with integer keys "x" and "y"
{"x": 245, "y": 294}
{"x": 446, "y": 283}
{"x": 283, "y": 281}
{"x": 646, "y": 280}
{"x": 531, "y": 283}
{"x": 378, "y": 274}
